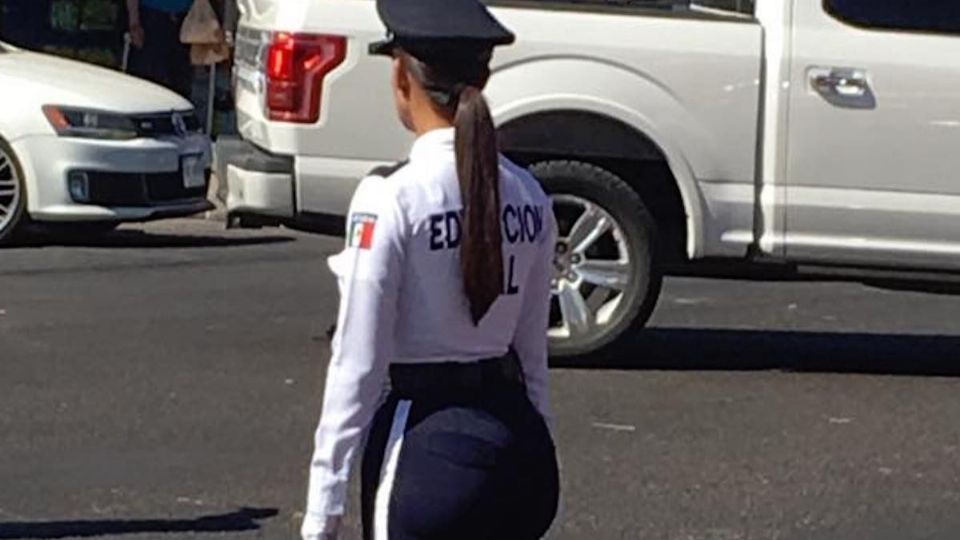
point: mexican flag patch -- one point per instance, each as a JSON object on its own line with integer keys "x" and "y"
{"x": 362, "y": 227}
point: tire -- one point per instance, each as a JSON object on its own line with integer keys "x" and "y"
{"x": 607, "y": 277}
{"x": 13, "y": 194}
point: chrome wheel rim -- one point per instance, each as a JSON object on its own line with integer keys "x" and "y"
{"x": 593, "y": 272}
{"x": 9, "y": 190}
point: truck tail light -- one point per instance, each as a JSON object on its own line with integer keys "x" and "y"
{"x": 295, "y": 69}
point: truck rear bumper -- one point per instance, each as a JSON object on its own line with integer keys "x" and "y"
{"x": 254, "y": 182}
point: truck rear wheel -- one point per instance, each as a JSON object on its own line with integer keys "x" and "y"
{"x": 606, "y": 277}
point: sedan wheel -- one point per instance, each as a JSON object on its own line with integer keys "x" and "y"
{"x": 12, "y": 197}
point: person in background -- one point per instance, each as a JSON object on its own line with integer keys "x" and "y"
{"x": 157, "y": 54}
{"x": 224, "y": 121}
{"x": 230, "y": 15}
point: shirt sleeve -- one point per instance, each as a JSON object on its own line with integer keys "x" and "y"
{"x": 369, "y": 272}
{"x": 530, "y": 339}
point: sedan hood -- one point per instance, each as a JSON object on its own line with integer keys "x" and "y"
{"x": 46, "y": 79}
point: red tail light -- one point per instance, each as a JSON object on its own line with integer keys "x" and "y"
{"x": 296, "y": 67}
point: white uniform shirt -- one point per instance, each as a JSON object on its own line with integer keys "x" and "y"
{"x": 402, "y": 300}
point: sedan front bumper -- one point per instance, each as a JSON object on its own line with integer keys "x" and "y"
{"x": 137, "y": 180}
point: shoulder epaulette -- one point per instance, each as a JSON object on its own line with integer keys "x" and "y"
{"x": 386, "y": 171}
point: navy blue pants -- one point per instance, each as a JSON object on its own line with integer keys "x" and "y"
{"x": 480, "y": 467}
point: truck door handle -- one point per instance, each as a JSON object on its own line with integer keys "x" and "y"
{"x": 844, "y": 87}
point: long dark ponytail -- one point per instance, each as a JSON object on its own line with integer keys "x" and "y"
{"x": 478, "y": 168}
{"x": 456, "y": 84}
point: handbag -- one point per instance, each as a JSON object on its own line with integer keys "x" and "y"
{"x": 202, "y": 31}
{"x": 201, "y": 25}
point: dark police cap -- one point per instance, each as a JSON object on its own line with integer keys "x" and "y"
{"x": 427, "y": 27}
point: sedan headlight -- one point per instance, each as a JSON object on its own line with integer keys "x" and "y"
{"x": 90, "y": 124}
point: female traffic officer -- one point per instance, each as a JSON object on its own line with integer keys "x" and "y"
{"x": 445, "y": 285}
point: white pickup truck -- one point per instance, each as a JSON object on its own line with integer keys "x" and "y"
{"x": 794, "y": 131}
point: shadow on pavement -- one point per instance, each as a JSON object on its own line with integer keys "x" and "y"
{"x": 939, "y": 289}
{"x": 244, "y": 519}
{"x": 938, "y": 283}
{"x": 126, "y": 239}
{"x": 732, "y": 350}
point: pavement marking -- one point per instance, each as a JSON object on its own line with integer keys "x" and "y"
{"x": 691, "y": 301}
{"x": 614, "y": 427}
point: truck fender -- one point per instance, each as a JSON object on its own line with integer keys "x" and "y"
{"x": 616, "y": 98}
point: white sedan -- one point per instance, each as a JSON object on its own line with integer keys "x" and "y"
{"x": 90, "y": 148}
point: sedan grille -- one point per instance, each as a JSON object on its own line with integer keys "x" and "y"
{"x": 164, "y": 125}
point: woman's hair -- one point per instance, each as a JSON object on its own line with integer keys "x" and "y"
{"x": 455, "y": 83}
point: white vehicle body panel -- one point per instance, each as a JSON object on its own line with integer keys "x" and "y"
{"x": 875, "y": 179}
{"x": 692, "y": 86}
{"x": 640, "y": 71}
{"x": 31, "y": 80}
{"x": 46, "y": 160}
{"x": 769, "y": 198}
{"x": 267, "y": 194}
{"x": 760, "y": 158}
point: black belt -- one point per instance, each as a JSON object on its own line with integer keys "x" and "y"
{"x": 452, "y": 379}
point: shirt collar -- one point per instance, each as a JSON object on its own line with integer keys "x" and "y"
{"x": 430, "y": 143}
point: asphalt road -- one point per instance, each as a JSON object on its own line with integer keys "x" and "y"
{"x": 165, "y": 385}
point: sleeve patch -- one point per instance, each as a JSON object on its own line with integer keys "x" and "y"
{"x": 362, "y": 227}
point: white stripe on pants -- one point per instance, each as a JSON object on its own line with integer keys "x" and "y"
{"x": 388, "y": 471}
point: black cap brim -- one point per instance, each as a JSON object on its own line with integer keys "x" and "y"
{"x": 384, "y": 47}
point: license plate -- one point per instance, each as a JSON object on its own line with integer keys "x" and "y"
{"x": 194, "y": 173}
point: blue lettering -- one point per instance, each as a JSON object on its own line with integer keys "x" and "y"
{"x": 529, "y": 223}
{"x": 512, "y": 235}
{"x": 512, "y": 288}
{"x": 436, "y": 233}
{"x": 453, "y": 230}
